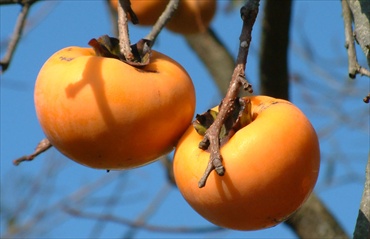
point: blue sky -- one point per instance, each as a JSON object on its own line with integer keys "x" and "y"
{"x": 322, "y": 92}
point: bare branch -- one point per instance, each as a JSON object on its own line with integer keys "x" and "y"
{"x": 322, "y": 225}
{"x": 354, "y": 67}
{"x": 150, "y": 210}
{"x": 124, "y": 38}
{"x": 361, "y": 16}
{"x": 123, "y": 221}
{"x": 162, "y": 20}
{"x": 168, "y": 168}
{"x": 211, "y": 139}
{"x": 46, "y": 213}
{"x": 41, "y": 147}
{"x": 18, "y": 30}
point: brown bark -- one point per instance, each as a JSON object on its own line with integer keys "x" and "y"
{"x": 313, "y": 220}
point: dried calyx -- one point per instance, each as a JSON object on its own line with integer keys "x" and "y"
{"x": 106, "y": 46}
{"x": 240, "y": 116}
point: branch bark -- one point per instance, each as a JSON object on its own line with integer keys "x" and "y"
{"x": 354, "y": 67}
{"x": 123, "y": 34}
{"x": 42, "y": 146}
{"x": 17, "y": 34}
{"x": 162, "y": 20}
{"x": 211, "y": 139}
{"x": 361, "y": 16}
{"x": 313, "y": 220}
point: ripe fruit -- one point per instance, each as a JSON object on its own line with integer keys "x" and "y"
{"x": 192, "y": 16}
{"x": 104, "y": 113}
{"x": 271, "y": 165}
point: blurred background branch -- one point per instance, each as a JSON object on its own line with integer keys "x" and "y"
{"x": 274, "y": 45}
{"x": 17, "y": 33}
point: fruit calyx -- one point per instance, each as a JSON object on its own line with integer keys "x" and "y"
{"x": 107, "y": 46}
{"x": 240, "y": 116}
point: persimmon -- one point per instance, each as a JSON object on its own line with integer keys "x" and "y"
{"x": 106, "y": 114}
{"x": 271, "y": 164}
{"x": 192, "y": 16}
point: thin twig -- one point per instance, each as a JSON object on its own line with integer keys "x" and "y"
{"x": 150, "y": 210}
{"x": 162, "y": 20}
{"x": 123, "y": 221}
{"x": 168, "y": 168}
{"x": 354, "y": 67}
{"x": 123, "y": 35}
{"x": 41, "y": 147}
{"x": 211, "y": 139}
{"x": 47, "y": 213}
{"x": 19, "y": 27}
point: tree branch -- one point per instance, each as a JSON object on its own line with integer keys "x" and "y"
{"x": 149, "y": 211}
{"x": 123, "y": 34}
{"x": 41, "y": 147}
{"x": 313, "y": 220}
{"x": 123, "y": 221}
{"x": 162, "y": 20}
{"x": 361, "y": 15}
{"x": 211, "y": 139}
{"x": 354, "y": 67}
{"x": 18, "y": 30}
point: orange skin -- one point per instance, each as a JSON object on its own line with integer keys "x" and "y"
{"x": 271, "y": 165}
{"x": 192, "y": 16}
{"x": 106, "y": 114}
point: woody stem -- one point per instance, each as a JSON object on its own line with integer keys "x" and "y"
{"x": 211, "y": 139}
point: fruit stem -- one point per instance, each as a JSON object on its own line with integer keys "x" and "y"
{"x": 41, "y": 147}
{"x": 162, "y": 20}
{"x": 211, "y": 138}
{"x": 123, "y": 9}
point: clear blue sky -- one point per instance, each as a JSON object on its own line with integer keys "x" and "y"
{"x": 316, "y": 25}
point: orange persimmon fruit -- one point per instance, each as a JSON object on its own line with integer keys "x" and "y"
{"x": 106, "y": 114}
{"x": 271, "y": 167}
{"x": 192, "y": 16}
